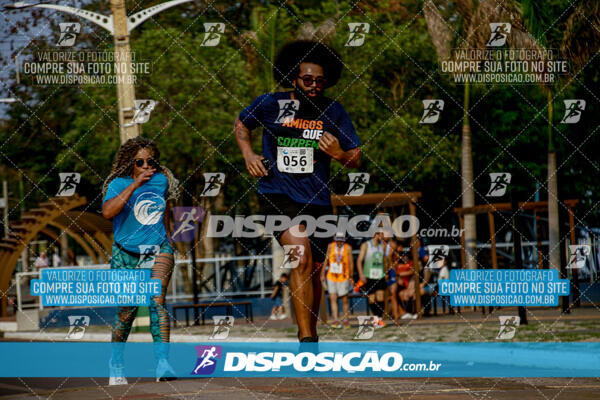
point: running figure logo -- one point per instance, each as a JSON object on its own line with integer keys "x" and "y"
{"x": 573, "y": 109}
{"x": 500, "y": 31}
{"x": 579, "y": 255}
{"x": 68, "y": 33}
{"x": 287, "y": 111}
{"x": 141, "y": 111}
{"x": 147, "y": 255}
{"x": 212, "y": 183}
{"x": 437, "y": 255}
{"x": 358, "y": 183}
{"x": 68, "y": 183}
{"x": 207, "y": 359}
{"x": 77, "y": 325}
{"x": 432, "y": 110}
{"x": 212, "y": 35}
{"x": 186, "y": 222}
{"x": 499, "y": 183}
{"x": 292, "y": 255}
{"x": 365, "y": 327}
{"x": 508, "y": 327}
{"x": 358, "y": 32}
{"x": 223, "y": 324}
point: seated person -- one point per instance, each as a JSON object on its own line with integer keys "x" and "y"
{"x": 403, "y": 273}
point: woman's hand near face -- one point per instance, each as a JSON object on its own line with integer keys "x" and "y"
{"x": 143, "y": 177}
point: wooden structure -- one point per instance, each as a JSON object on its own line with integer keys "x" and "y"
{"x": 388, "y": 203}
{"x": 491, "y": 209}
{"x": 92, "y": 232}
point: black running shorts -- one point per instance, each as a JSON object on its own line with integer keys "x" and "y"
{"x": 280, "y": 204}
{"x": 374, "y": 285}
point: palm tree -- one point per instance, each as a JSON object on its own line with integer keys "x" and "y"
{"x": 442, "y": 36}
{"x": 578, "y": 44}
{"x": 473, "y": 30}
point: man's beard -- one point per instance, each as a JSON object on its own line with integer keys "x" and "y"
{"x": 312, "y": 107}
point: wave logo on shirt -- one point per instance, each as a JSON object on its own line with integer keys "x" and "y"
{"x": 148, "y": 208}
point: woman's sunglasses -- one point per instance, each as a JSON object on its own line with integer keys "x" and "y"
{"x": 308, "y": 80}
{"x": 139, "y": 162}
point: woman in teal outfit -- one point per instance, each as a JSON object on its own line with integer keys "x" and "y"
{"x": 135, "y": 198}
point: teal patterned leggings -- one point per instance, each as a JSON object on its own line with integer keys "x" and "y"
{"x": 159, "y": 317}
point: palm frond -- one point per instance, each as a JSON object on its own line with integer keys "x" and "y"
{"x": 582, "y": 34}
{"x": 326, "y": 31}
{"x": 494, "y": 11}
{"x": 465, "y": 9}
{"x": 306, "y": 32}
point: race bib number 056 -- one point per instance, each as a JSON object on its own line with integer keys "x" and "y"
{"x": 295, "y": 160}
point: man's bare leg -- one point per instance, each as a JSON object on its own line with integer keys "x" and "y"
{"x": 302, "y": 287}
{"x": 334, "y": 306}
{"x": 316, "y": 303}
{"x": 345, "y": 307}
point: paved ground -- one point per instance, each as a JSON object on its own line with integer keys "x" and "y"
{"x": 544, "y": 325}
{"x": 298, "y": 388}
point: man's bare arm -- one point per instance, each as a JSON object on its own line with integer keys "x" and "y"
{"x": 243, "y": 138}
{"x": 331, "y": 146}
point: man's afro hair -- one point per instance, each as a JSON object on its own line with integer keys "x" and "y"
{"x": 287, "y": 63}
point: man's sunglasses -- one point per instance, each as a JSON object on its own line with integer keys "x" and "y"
{"x": 139, "y": 162}
{"x": 308, "y": 80}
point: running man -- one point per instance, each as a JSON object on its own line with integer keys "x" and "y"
{"x": 207, "y": 359}
{"x": 574, "y": 110}
{"x": 135, "y": 198}
{"x": 69, "y": 183}
{"x": 358, "y": 183}
{"x": 300, "y": 153}
{"x": 357, "y": 34}
{"x": 339, "y": 265}
{"x": 188, "y": 221}
{"x": 432, "y": 110}
{"x": 500, "y": 33}
{"x": 211, "y": 34}
{"x": 500, "y": 183}
{"x": 69, "y": 34}
{"x": 372, "y": 267}
{"x": 213, "y": 183}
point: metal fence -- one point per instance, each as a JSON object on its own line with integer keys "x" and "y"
{"x": 221, "y": 276}
{"x": 232, "y": 276}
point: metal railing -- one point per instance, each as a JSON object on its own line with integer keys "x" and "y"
{"x": 176, "y": 292}
{"x": 216, "y": 285}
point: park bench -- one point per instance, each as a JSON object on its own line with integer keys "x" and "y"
{"x": 247, "y": 304}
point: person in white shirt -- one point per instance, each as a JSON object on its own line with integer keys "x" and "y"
{"x": 56, "y": 261}
{"x": 42, "y": 261}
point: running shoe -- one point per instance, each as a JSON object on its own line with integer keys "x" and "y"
{"x": 380, "y": 324}
{"x": 346, "y": 324}
{"x": 283, "y": 316}
{"x": 273, "y": 317}
{"x": 116, "y": 375}
{"x": 375, "y": 321}
{"x": 164, "y": 371}
{"x": 310, "y": 339}
{"x": 336, "y": 325}
{"x": 407, "y": 316}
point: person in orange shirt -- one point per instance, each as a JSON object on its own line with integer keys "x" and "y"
{"x": 339, "y": 265}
